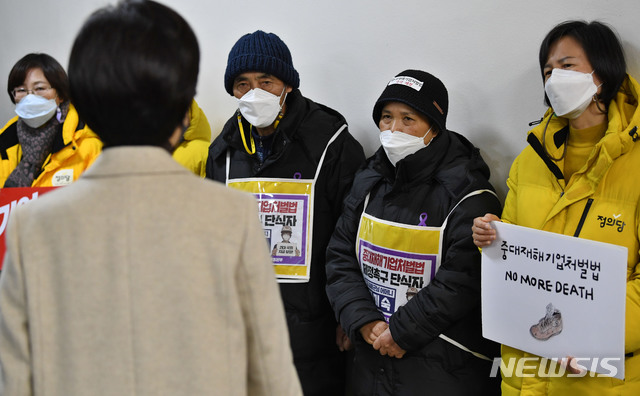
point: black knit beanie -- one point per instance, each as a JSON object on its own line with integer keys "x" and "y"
{"x": 420, "y": 90}
{"x": 260, "y": 52}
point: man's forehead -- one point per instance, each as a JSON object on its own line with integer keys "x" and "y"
{"x": 254, "y": 75}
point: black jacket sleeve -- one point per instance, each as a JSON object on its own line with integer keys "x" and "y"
{"x": 349, "y": 296}
{"x": 455, "y": 290}
{"x": 216, "y": 159}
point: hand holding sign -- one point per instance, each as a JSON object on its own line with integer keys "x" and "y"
{"x": 483, "y": 233}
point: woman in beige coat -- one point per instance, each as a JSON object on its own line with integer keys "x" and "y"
{"x": 114, "y": 285}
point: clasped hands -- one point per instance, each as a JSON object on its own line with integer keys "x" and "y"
{"x": 378, "y": 335}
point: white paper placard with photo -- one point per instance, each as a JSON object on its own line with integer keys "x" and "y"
{"x": 554, "y": 296}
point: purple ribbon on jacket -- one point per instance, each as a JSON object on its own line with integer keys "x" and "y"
{"x": 423, "y": 219}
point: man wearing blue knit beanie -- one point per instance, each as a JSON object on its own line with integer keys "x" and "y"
{"x": 299, "y": 159}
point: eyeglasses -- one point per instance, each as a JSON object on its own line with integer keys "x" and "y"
{"x": 40, "y": 90}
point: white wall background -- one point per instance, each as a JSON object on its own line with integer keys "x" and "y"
{"x": 485, "y": 52}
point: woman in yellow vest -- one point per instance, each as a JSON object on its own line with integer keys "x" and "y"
{"x": 578, "y": 173}
{"x": 46, "y": 144}
{"x": 403, "y": 273}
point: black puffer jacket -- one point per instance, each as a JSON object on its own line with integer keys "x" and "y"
{"x": 297, "y": 146}
{"x": 433, "y": 180}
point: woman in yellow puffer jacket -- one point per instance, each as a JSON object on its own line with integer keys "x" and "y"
{"x": 575, "y": 172}
{"x": 46, "y": 144}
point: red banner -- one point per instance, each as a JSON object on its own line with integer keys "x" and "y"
{"x": 10, "y": 198}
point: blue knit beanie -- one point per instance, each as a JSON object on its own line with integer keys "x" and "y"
{"x": 260, "y": 52}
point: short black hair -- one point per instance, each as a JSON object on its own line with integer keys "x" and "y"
{"x": 133, "y": 72}
{"x": 602, "y": 47}
{"x": 52, "y": 70}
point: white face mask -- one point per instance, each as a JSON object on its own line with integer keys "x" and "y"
{"x": 398, "y": 145}
{"x": 35, "y": 110}
{"x": 260, "y": 107}
{"x": 286, "y": 237}
{"x": 570, "y": 92}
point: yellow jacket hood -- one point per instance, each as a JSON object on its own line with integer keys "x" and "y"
{"x": 192, "y": 152}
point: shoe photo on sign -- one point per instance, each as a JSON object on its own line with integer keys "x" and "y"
{"x": 548, "y": 326}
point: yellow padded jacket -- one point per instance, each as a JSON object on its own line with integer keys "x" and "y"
{"x": 606, "y": 187}
{"x": 193, "y": 150}
{"x": 74, "y": 150}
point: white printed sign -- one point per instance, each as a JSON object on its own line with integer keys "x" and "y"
{"x": 555, "y": 296}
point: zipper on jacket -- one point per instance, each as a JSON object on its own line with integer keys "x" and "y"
{"x": 583, "y": 217}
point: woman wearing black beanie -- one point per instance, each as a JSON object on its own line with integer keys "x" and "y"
{"x": 403, "y": 273}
